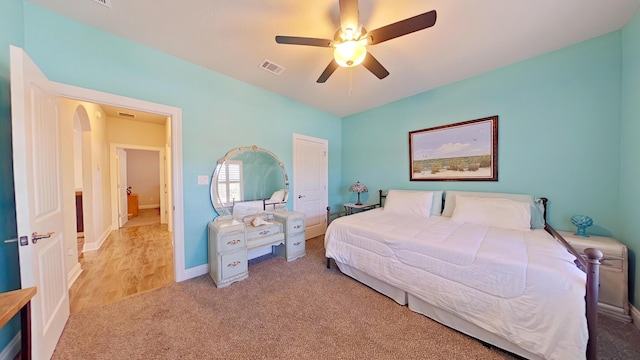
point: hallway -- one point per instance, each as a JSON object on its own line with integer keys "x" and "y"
{"x": 133, "y": 259}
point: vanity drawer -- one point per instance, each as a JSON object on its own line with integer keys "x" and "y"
{"x": 233, "y": 264}
{"x": 295, "y": 226}
{"x": 265, "y": 230}
{"x": 295, "y": 246}
{"x": 232, "y": 240}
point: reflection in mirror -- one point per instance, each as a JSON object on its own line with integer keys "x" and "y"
{"x": 248, "y": 180}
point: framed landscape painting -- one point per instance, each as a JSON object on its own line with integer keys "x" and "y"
{"x": 466, "y": 151}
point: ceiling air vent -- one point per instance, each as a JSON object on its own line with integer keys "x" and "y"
{"x": 271, "y": 67}
{"x": 126, "y": 115}
{"x": 106, "y": 3}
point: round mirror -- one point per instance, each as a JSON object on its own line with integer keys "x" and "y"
{"x": 249, "y": 180}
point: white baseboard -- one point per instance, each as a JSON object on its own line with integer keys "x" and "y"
{"x": 72, "y": 276}
{"x": 152, "y": 206}
{"x": 93, "y": 246}
{"x": 195, "y": 272}
{"x": 12, "y": 349}
{"x": 635, "y": 316}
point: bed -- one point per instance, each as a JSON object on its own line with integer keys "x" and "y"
{"x": 483, "y": 265}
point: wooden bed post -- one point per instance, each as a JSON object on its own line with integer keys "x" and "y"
{"x": 590, "y": 263}
{"x": 593, "y": 281}
{"x": 328, "y": 221}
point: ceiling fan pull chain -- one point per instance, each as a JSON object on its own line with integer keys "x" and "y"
{"x": 350, "y": 81}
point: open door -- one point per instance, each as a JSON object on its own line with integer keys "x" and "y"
{"x": 38, "y": 191}
{"x": 123, "y": 206}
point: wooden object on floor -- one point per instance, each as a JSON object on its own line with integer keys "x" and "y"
{"x": 132, "y": 204}
{"x": 79, "y": 214}
{"x": 10, "y": 303}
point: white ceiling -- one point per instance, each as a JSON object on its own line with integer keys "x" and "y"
{"x": 233, "y": 37}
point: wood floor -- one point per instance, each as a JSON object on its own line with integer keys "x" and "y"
{"x": 132, "y": 260}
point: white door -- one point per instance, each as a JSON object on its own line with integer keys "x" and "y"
{"x": 38, "y": 188}
{"x": 123, "y": 205}
{"x": 310, "y": 164}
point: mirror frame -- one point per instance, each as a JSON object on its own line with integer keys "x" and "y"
{"x": 213, "y": 188}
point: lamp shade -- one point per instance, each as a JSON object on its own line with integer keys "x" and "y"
{"x": 358, "y": 188}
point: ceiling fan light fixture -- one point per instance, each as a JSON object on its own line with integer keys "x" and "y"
{"x": 351, "y": 32}
{"x": 350, "y": 53}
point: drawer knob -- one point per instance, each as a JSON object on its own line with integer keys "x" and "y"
{"x": 235, "y": 263}
{"x": 233, "y": 242}
{"x": 297, "y": 243}
{"x": 297, "y": 226}
{"x": 264, "y": 232}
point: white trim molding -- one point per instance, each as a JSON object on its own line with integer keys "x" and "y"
{"x": 96, "y": 245}
{"x": 175, "y": 114}
{"x": 193, "y": 272}
{"x": 152, "y": 206}
{"x": 73, "y": 275}
{"x": 13, "y": 348}
{"x": 635, "y": 316}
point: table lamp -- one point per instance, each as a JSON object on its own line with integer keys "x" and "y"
{"x": 358, "y": 188}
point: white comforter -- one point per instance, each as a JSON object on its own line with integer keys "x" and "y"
{"x": 522, "y": 286}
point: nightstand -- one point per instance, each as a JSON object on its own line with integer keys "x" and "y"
{"x": 352, "y": 208}
{"x": 614, "y": 273}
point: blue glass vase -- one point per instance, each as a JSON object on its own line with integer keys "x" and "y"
{"x": 581, "y": 222}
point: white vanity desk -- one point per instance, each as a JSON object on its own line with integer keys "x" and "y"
{"x": 233, "y": 243}
{"x": 250, "y": 185}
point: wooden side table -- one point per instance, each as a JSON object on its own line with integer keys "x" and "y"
{"x": 132, "y": 204}
{"x": 352, "y": 208}
{"x": 10, "y": 303}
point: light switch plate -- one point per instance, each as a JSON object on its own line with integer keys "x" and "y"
{"x": 203, "y": 180}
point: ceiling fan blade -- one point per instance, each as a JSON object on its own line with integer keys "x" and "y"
{"x": 295, "y": 40}
{"x": 403, "y": 27}
{"x": 349, "y": 15}
{"x": 374, "y": 66}
{"x": 333, "y": 65}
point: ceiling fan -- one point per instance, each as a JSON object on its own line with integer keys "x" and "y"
{"x": 351, "y": 39}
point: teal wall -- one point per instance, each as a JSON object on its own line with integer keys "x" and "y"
{"x": 630, "y": 150}
{"x": 558, "y": 132}
{"x": 218, "y": 113}
{"x": 567, "y": 125}
{"x": 11, "y": 33}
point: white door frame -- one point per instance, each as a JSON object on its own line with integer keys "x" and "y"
{"x": 113, "y": 152}
{"x": 98, "y": 97}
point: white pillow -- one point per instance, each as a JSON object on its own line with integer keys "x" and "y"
{"x": 450, "y": 198}
{"x": 498, "y": 212}
{"x": 277, "y": 196}
{"x": 414, "y": 203}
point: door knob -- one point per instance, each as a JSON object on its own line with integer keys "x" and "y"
{"x": 300, "y": 196}
{"x": 35, "y": 236}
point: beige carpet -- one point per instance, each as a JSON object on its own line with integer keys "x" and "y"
{"x": 296, "y": 310}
